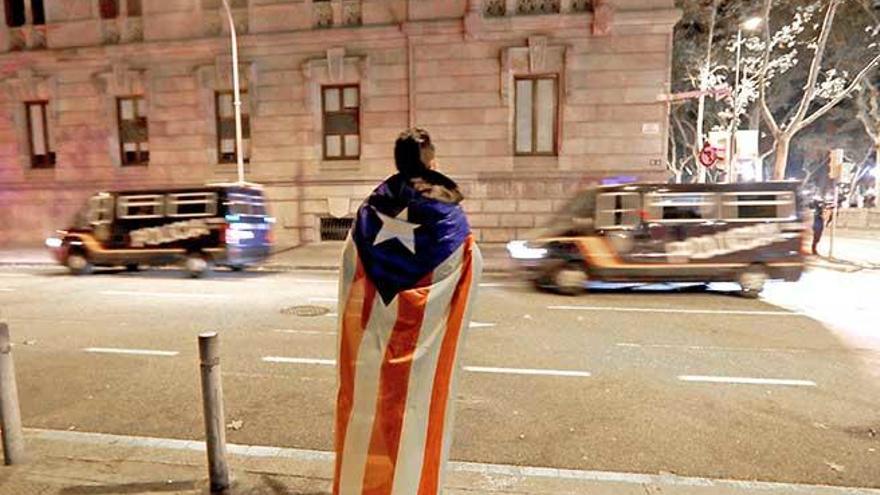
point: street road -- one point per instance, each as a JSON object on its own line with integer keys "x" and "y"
{"x": 691, "y": 382}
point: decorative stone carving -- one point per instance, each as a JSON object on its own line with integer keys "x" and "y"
{"x": 581, "y": 5}
{"x": 351, "y": 13}
{"x": 27, "y": 85}
{"x": 121, "y": 80}
{"x": 494, "y": 8}
{"x": 537, "y": 52}
{"x": 218, "y": 77}
{"x": 536, "y": 58}
{"x": 603, "y": 17}
{"x": 530, "y": 7}
{"x": 322, "y": 14}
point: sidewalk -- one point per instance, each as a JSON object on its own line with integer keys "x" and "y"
{"x": 315, "y": 256}
{"x": 74, "y": 463}
{"x": 852, "y": 251}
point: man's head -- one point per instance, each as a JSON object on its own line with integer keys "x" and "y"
{"x": 414, "y": 152}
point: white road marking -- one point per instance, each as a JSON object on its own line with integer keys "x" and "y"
{"x": 303, "y": 332}
{"x": 6, "y": 289}
{"x": 526, "y": 371}
{"x": 498, "y": 284}
{"x": 289, "y": 360}
{"x": 475, "y": 369}
{"x": 331, "y": 315}
{"x": 514, "y": 475}
{"x": 142, "y": 352}
{"x": 161, "y": 294}
{"x": 740, "y": 380}
{"x": 709, "y": 348}
{"x": 677, "y": 310}
{"x": 479, "y": 324}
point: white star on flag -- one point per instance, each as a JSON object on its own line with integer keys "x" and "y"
{"x": 397, "y": 228}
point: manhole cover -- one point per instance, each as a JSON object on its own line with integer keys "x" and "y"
{"x": 306, "y": 310}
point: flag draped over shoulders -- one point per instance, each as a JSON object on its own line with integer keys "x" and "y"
{"x": 408, "y": 282}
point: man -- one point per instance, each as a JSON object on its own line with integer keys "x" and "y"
{"x": 410, "y": 273}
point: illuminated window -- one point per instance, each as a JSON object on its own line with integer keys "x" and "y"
{"x": 39, "y": 141}
{"x": 341, "y": 110}
{"x": 536, "y": 115}
{"x": 133, "y": 132}
{"x": 226, "y": 146}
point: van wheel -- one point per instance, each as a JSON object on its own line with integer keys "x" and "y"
{"x": 237, "y": 268}
{"x": 752, "y": 281}
{"x": 132, "y": 267}
{"x": 78, "y": 264}
{"x": 570, "y": 279}
{"x": 197, "y": 265}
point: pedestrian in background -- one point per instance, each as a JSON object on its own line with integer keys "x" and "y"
{"x": 407, "y": 287}
{"x": 819, "y": 223}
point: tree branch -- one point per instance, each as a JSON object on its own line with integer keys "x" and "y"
{"x": 765, "y": 109}
{"x": 843, "y": 94}
{"x": 815, "y": 66}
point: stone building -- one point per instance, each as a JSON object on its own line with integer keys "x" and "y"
{"x": 527, "y": 100}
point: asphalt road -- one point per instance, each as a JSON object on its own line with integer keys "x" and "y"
{"x": 627, "y": 380}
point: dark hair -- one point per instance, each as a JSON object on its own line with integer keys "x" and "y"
{"x": 408, "y": 152}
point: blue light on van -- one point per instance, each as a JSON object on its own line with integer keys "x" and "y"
{"x": 233, "y": 218}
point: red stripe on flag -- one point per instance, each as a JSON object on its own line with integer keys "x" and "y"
{"x": 354, "y": 320}
{"x": 430, "y": 476}
{"x": 393, "y": 388}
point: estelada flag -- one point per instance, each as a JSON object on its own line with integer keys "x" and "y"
{"x": 410, "y": 273}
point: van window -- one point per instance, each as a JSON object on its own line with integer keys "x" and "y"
{"x": 140, "y": 206}
{"x": 202, "y": 204}
{"x": 682, "y": 207}
{"x": 758, "y": 205}
{"x": 100, "y": 209}
{"x": 246, "y": 204}
{"x": 618, "y": 209}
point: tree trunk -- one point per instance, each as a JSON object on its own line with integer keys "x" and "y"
{"x": 781, "y": 163}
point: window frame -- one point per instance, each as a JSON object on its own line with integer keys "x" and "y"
{"x": 342, "y": 110}
{"x": 534, "y": 127}
{"x": 725, "y": 203}
{"x": 172, "y": 200}
{"x": 123, "y": 202}
{"x": 651, "y": 205}
{"x": 136, "y": 99}
{"x": 50, "y": 158}
{"x": 245, "y": 124}
{"x": 615, "y": 211}
{"x": 252, "y": 200}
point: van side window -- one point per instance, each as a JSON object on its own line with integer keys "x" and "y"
{"x": 100, "y": 209}
{"x": 682, "y": 207}
{"x": 617, "y": 210}
{"x": 203, "y": 204}
{"x": 758, "y": 205}
{"x": 246, "y": 204}
{"x": 140, "y": 206}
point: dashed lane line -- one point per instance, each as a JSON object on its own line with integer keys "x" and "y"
{"x": 163, "y": 294}
{"x": 140, "y": 352}
{"x": 742, "y": 380}
{"x": 676, "y": 310}
{"x": 527, "y": 371}
{"x": 710, "y": 348}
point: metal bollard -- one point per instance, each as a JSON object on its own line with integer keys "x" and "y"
{"x": 10, "y": 413}
{"x": 212, "y": 402}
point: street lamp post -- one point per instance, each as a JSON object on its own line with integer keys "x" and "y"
{"x": 239, "y": 158}
{"x": 749, "y": 25}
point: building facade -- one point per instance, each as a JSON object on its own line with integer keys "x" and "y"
{"x": 527, "y": 101}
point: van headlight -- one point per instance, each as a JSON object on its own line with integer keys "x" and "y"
{"x": 522, "y": 251}
{"x": 54, "y": 242}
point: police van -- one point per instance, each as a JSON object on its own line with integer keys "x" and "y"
{"x": 746, "y": 233}
{"x": 215, "y": 225}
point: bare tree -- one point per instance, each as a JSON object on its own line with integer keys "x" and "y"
{"x": 833, "y": 89}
